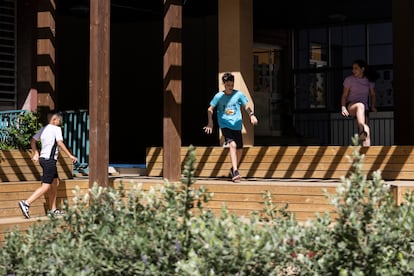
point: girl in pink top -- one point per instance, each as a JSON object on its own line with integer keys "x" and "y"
{"x": 358, "y": 87}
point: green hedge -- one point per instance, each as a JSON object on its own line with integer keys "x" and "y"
{"x": 156, "y": 233}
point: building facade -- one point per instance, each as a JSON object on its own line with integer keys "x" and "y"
{"x": 291, "y": 64}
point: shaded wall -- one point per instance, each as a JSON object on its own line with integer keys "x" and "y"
{"x": 403, "y": 45}
{"x": 136, "y": 83}
{"x": 200, "y": 67}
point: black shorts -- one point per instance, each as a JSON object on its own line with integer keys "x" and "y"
{"x": 49, "y": 170}
{"x": 233, "y": 135}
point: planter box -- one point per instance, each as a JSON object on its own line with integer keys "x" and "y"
{"x": 16, "y": 165}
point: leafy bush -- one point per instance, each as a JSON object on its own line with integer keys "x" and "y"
{"x": 18, "y": 134}
{"x": 372, "y": 235}
{"x": 166, "y": 231}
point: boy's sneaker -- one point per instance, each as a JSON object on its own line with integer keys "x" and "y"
{"x": 25, "y": 208}
{"x": 55, "y": 212}
{"x": 236, "y": 176}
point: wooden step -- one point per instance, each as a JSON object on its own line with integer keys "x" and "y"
{"x": 20, "y": 223}
{"x": 12, "y": 192}
{"x": 305, "y": 198}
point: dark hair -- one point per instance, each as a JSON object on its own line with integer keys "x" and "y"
{"x": 370, "y": 73}
{"x": 227, "y": 77}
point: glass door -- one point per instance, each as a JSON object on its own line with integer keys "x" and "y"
{"x": 267, "y": 98}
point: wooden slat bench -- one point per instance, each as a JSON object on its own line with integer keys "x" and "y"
{"x": 293, "y": 162}
{"x": 16, "y": 165}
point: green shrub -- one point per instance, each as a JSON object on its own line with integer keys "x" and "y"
{"x": 18, "y": 134}
{"x": 113, "y": 232}
{"x": 371, "y": 236}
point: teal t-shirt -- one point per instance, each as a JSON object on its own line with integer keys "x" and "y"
{"x": 228, "y": 109}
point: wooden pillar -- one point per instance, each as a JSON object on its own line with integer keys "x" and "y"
{"x": 403, "y": 45}
{"x": 99, "y": 92}
{"x": 46, "y": 54}
{"x": 172, "y": 89}
{"x": 235, "y": 27}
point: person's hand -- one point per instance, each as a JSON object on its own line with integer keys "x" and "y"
{"x": 35, "y": 156}
{"x": 253, "y": 120}
{"x": 73, "y": 158}
{"x": 208, "y": 129}
{"x": 345, "y": 112}
{"x": 374, "y": 109}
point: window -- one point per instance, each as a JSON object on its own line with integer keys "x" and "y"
{"x": 324, "y": 56}
{"x": 7, "y": 55}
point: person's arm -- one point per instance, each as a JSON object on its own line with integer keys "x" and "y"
{"x": 65, "y": 149}
{"x": 345, "y": 93}
{"x": 373, "y": 100}
{"x": 209, "y": 127}
{"x": 253, "y": 118}
{"x": 33, "y": 145}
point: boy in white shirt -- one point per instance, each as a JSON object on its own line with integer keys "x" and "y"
{"x": 51, "y": 140}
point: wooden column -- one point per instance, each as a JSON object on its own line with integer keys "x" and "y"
{"x": 172, "y": 89}
{"x": 99, "y": 92}
{"x": 46, "y": 78}
{"x": 236, "y": 51}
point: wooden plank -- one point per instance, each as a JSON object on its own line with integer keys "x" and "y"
{"x": 275, "y": 188}
{"x": 156, "y": 152}
{"x": 368, "y": 159}
{"x": 254, "y": 206}
{"x": 27, "y": 177}
{"x": 318, "y": 199}
{"x": 300, "y": 216}
{"x": 296, "y": 174}
{"x": 322, "y": 162}
{"x": 16, "y": 165}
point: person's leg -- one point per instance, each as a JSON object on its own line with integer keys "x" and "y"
{"x": 233, "y": 155}
{"x": 367, "y": 141}
{"x": 358, "y": 111}
{"x": 234, "y": 141}
{"x": 239, "y": 153}
{"x": 53, "y": 193}
{"x": 25, "y": 204}
{"x": 38, "y": 193}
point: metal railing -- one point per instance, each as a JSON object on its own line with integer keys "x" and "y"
{"x": 7, "y": 119}
{"x": 333, "y": 129}
{"x": 76, "y": 134}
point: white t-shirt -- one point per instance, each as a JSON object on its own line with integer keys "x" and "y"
{"x": 48, "y": 136}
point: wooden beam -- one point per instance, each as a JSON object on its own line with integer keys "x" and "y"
{"x": 99, "y": 92}
{"x": 172, "y": 89}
